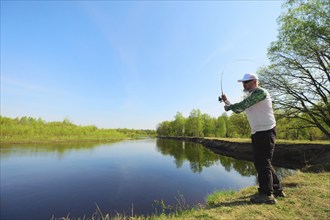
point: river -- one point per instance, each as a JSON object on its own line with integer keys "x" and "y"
{"x": 39, "y": 181}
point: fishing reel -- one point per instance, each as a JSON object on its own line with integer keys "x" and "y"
{"x": 220, "y": 99}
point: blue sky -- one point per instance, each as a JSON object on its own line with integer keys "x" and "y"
{"x": 130, "y": 64}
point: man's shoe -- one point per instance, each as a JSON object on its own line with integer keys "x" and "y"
{"x": 263, "y": 199}
{"x": 279, "y": 194}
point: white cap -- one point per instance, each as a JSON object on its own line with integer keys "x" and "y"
{"x": 247, "y": 77}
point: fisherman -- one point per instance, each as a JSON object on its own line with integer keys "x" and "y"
{"x": 258, "y": 108}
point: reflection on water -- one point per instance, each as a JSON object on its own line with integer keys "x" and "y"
{"x": 199, "y": 157}
{"x": 196, "y": 154}
{"x": 51, "y": 149}
{"x": 38, "y": 181}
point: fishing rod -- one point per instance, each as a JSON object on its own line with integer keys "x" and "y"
{"x": 220, "y": 97}
{"x": 234, "y": 61}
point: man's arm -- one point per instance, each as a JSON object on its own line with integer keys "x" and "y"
{"x": 255, "y": 97}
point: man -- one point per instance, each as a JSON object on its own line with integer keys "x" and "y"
{"x": 258, "y": 108}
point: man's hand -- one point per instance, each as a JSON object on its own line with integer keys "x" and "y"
{"x": 226, "y": 108}
{"x": 224, "y": 97}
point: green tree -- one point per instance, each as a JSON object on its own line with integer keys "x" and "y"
{"x": 299, "y": 75}
{"x": 209, "y": 125}
{"x": 29, "y": 129}
{"x": 221, "y": 125}
{"x": 165, "y": 129}
{"x": 179, "y": 124}
{"x": 194, "y": 125}
{"x": 292, "y": 128}
{"x": 239, "y": 126}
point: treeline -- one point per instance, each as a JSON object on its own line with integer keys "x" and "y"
{"x": 28, "y": 129}
{"x": 198, "y": 124}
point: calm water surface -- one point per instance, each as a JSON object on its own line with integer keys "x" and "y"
{"x": 39, "y": 181}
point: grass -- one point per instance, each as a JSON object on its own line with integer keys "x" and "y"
{"x": 31, "y": 130}
{"x": 283, "y": 141}
{"x": 308, "y": 197}
{"x": 278, "y": 141}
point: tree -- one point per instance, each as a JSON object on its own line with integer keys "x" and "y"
{"x": 165, "y": 129}
{"x": 239, "y": 125}
{"x": 209, "y": 125}
{"x": 292, "y": 128}
{"x": 194, "y": 125}
{"x": 179, "y": 124}
{"x": 299, "y": 75}
{"x": 221, "y": 125}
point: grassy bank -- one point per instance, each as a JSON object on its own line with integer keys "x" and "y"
{"x": 31, "y": 130}
{"x": 278, "y": 141}
{"x": 308, "y": 197}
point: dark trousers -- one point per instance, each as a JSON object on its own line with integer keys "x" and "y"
{"x": 263, "y": 143}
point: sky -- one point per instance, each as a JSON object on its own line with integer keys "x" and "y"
{"x": 129, "y": 64}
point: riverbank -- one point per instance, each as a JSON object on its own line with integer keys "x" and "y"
{"x": 308, "y": 197}
{"x": 68, "y": 140}
{"x": 65, "y": 139}
{"x": 305, "y": 156}
{"x": 27, "y": 130}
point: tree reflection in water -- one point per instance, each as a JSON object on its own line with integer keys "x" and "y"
{"x": 200, "y": 157}
{"x": 58, "y": 149}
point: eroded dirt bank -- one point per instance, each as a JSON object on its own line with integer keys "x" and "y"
{"x": 313, "y": 157}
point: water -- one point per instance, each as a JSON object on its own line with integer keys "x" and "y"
{"x": 41, "y": 181}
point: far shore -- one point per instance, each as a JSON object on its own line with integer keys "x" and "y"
{"x": 55, "y": 141}
{"x": 79, "y": 140}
